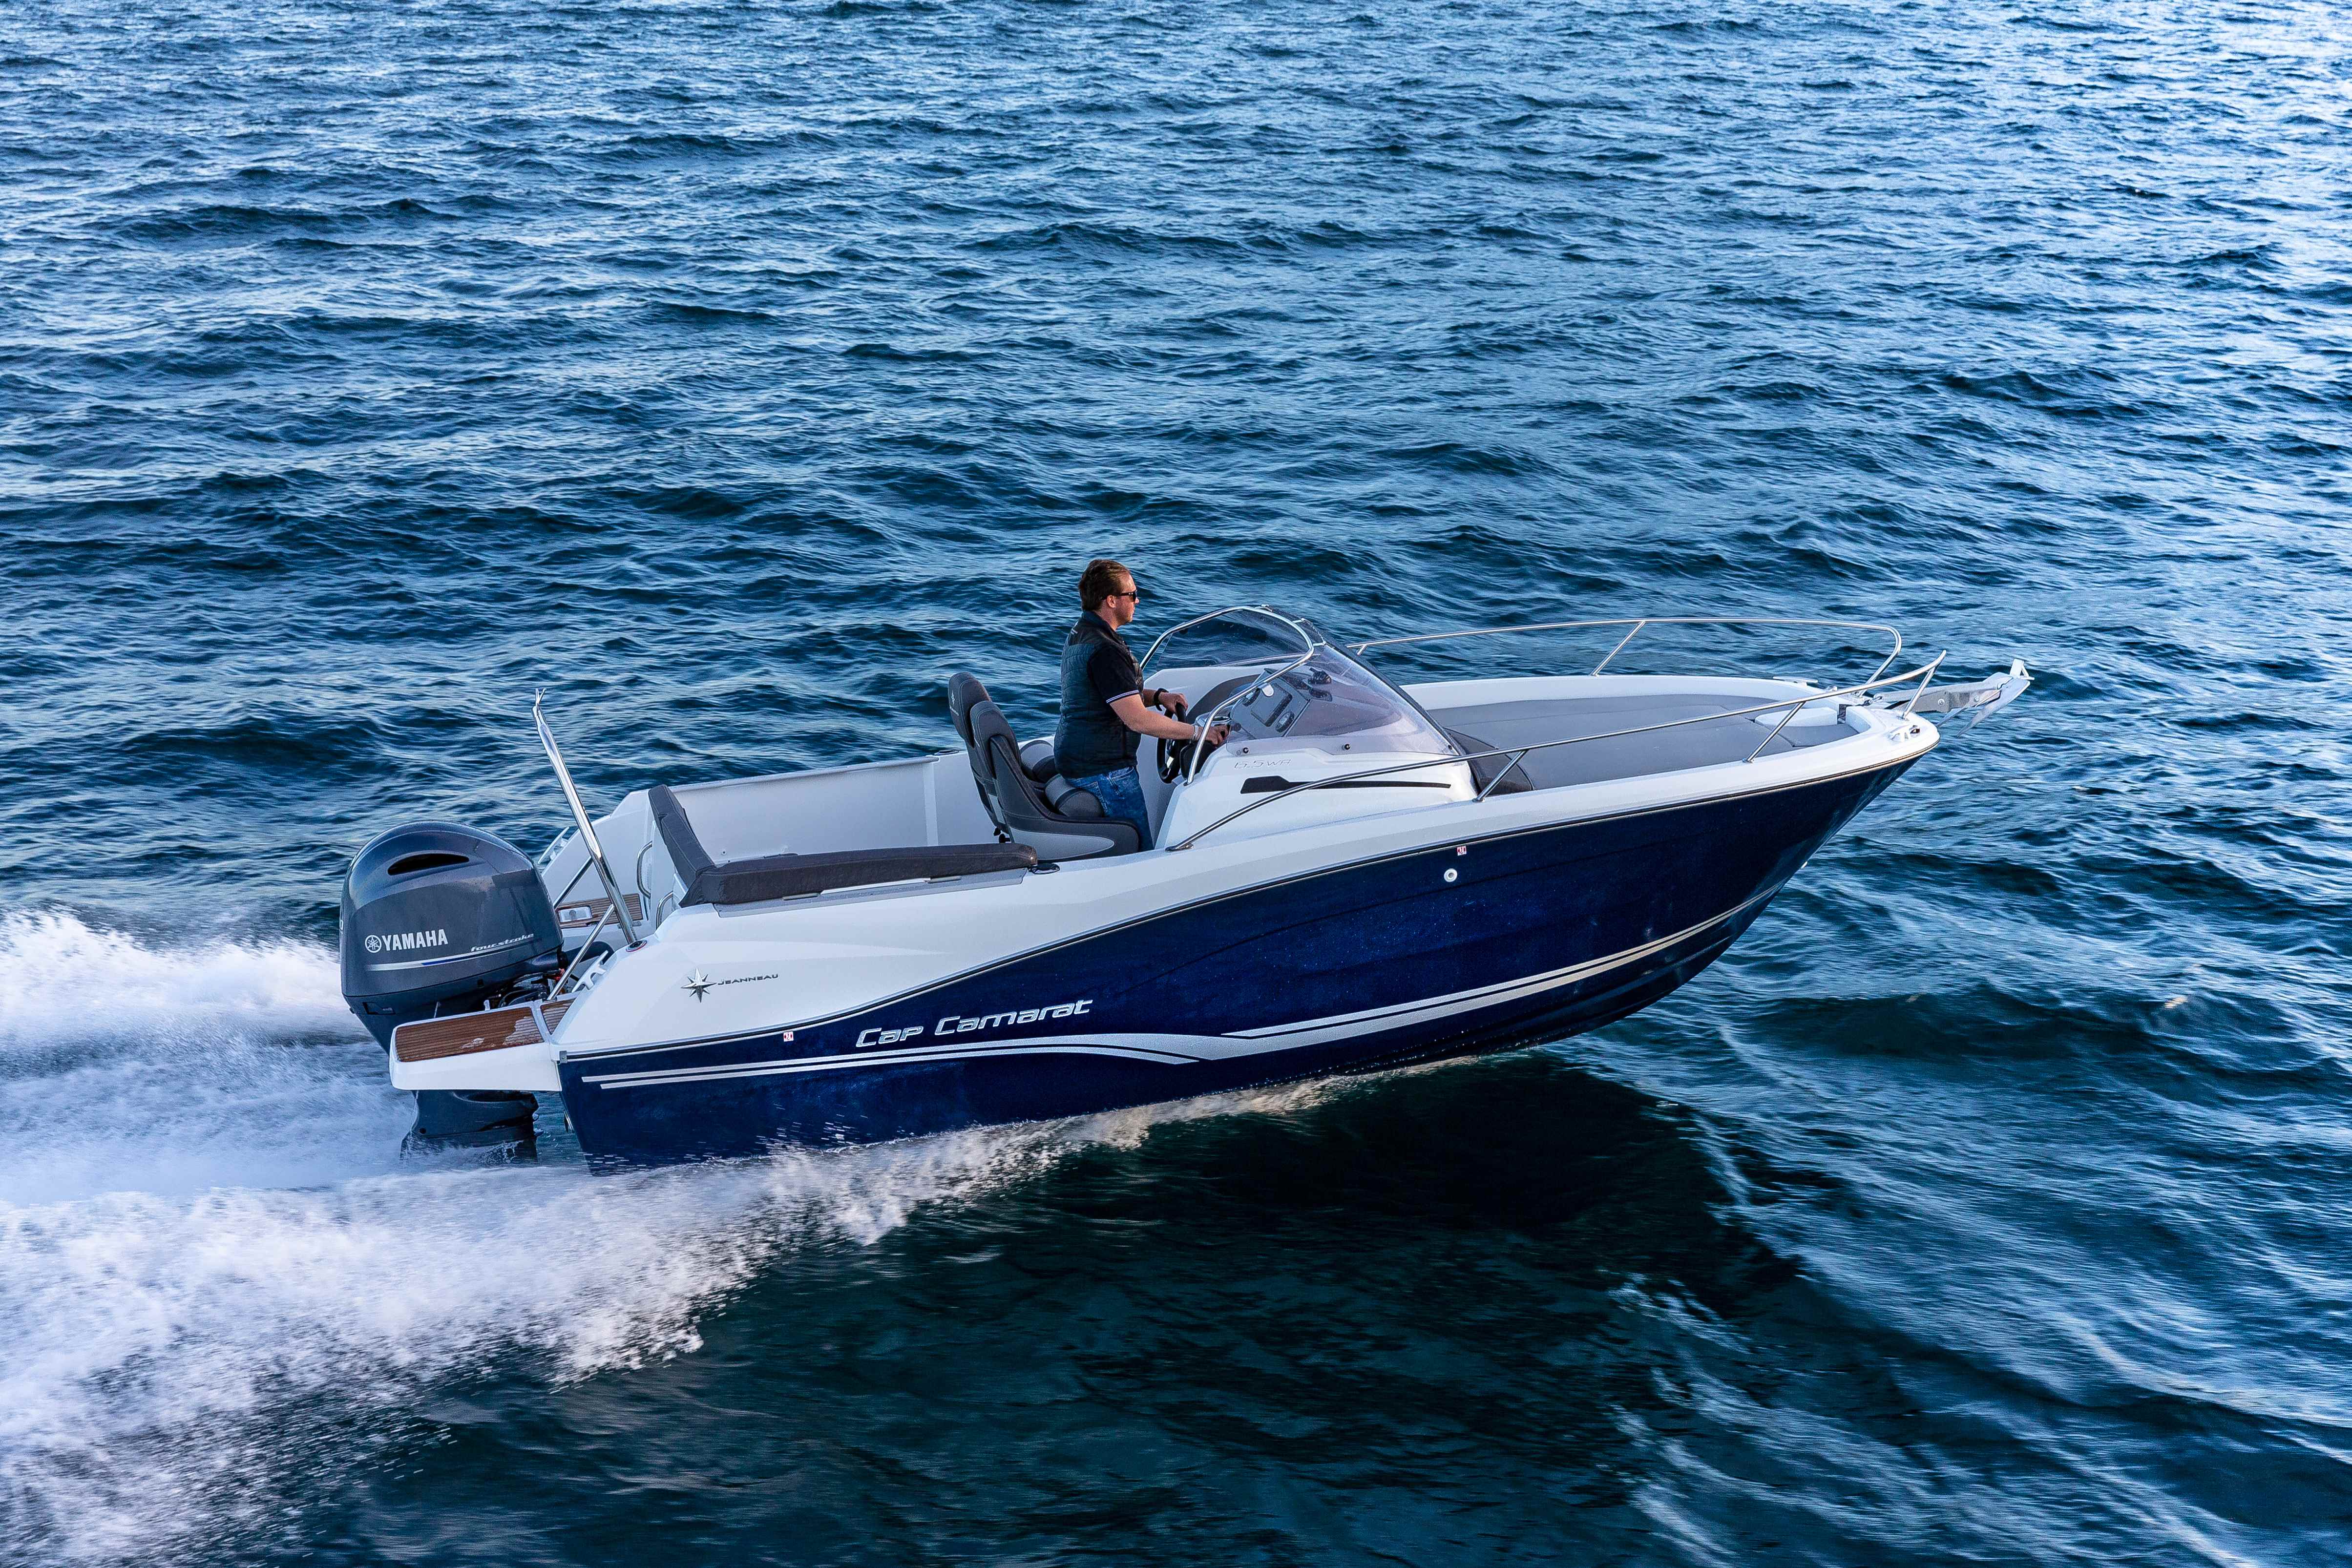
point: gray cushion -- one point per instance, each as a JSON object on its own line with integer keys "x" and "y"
{"x": 1068, "y": 800}
{"x": 1038, "y": 761}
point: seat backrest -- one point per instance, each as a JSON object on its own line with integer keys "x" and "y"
{"x": 687, "y": 855}
{"x": 963, "y": 690}
{"x": 964, "y": 694}
{"x": 990, "y": 733}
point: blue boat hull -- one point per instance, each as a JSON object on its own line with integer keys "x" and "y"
{"x": 1535, "y": 937}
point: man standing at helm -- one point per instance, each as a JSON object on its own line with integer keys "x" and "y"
{"x": 1105, "y": 704}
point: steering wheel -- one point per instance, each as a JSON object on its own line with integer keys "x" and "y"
{"x": 1176, "y": 756}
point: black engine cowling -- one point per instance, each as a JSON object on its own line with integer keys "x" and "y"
{"x": 436, "y": 913}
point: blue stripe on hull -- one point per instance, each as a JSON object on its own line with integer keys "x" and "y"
{"x": 1668, "y": 890}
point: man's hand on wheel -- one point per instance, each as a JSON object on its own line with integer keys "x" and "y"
{"x": 1173, "y": 703}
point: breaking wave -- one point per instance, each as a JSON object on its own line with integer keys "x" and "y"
{"x": 217, "y": 1268}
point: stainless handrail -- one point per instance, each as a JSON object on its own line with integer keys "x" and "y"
{"x": 1620, "y": 648}
{"x": 1152, "y": 651}
{"x": 1775, "y": 735}
{"x": 1205, "y": 720}
{"x": 1913, "y": 706}
{"x": 580, "y": 816}
{"x": 1517, "y": 753}
{"x": 1503, "y": 772}
{"x": 558, "y": 900}
{"x": 594, "y": 932}
{"x": 637, "y": 876}
{"x": 1203, "y": 724}
{"x": 1634, "y": 627}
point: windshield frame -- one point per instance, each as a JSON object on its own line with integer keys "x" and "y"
{"x": 1308, "y": 640}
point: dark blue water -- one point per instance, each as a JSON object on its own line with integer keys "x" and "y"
{"x": 737, "y": 370}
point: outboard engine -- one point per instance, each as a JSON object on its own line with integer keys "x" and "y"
{"x": 443, "y": 918}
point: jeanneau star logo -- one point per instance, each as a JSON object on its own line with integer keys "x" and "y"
{"x": 699, "y": 984}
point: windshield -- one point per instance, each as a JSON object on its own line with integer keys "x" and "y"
{"x": 1275, "y": 678}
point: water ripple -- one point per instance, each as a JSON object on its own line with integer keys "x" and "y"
{"x": 735, "y": 371}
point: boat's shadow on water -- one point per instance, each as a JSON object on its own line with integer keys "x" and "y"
{"x": 1281, "y": 1328}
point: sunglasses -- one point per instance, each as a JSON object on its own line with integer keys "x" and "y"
{"x": 1130, "y": 594}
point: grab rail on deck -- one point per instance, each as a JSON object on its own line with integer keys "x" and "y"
{"x": 1635, "y": 625}
{"x": 1923, "y": 674}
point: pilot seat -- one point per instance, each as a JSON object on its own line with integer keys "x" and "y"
{"x": 1026, "y": 796}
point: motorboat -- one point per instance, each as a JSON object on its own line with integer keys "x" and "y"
{"x": 1367, "y": 872}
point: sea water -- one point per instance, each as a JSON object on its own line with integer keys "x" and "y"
{"x": 736, "y": 371}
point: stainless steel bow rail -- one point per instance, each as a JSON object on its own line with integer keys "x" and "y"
{"x": 1923, "y": 674}
{"x": 1634, "y": 627}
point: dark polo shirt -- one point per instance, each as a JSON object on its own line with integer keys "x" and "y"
{"x": 1097, "y": 669}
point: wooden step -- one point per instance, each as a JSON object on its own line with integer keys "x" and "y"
{"x": 429, "y": 1039}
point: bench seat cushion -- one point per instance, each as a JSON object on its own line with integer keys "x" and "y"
{"x": 764, "y": 877}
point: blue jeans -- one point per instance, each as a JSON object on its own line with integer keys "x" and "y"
{"x": 1122, "y": 794}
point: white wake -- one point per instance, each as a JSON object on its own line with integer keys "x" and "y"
{"x": 208, "y": 1237}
